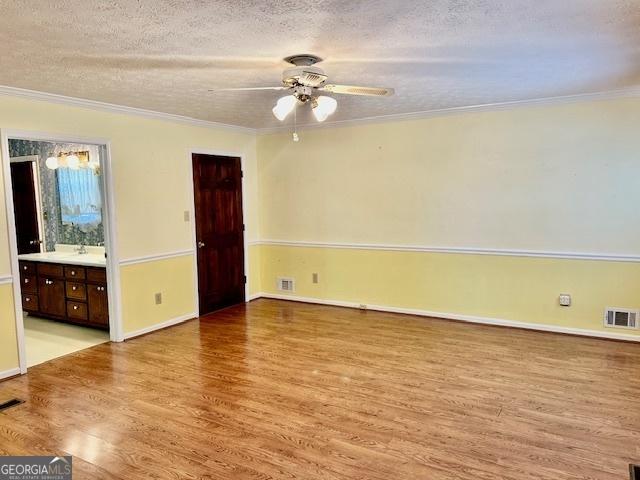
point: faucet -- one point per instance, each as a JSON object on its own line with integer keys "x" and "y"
{"x": 82, "y": 249}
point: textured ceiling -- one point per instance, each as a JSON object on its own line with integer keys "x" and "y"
{"x": 164, "y": 55}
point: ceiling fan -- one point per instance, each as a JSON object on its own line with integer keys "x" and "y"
{"x": 305, "y": 83}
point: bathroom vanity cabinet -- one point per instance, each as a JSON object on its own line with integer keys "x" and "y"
{"x": 69, "y": 293}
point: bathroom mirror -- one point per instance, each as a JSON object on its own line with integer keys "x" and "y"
{"x": 80, "y": 201}
{"x": 63, "y": 182}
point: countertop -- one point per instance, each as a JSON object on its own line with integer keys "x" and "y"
{"x": 67, "y": 258}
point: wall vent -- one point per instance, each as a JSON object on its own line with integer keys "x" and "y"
{"x": 286, "y": 284}
{"x": 615, "y": 317}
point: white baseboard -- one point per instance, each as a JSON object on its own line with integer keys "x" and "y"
{"x": 253, "y": 297}
{"x": 160, "y": 326}
{"x": 10, "y": 373}
{"x": 464, "y": 318}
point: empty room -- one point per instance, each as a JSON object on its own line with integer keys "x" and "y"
{"x": 320, "y": 240}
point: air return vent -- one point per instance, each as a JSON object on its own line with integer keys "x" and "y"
{"x": 286, "y": 284}
{"x": 615, "y": 317}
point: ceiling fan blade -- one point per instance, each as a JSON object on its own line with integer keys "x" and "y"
{"x": 247, "y": 89}
{"x": 356, "y": 90}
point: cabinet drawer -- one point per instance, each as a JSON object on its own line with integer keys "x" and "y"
{"x": 50, "y": 270}
{"x": 27, "y": 268}
{"x": 30, "y": 303}
{"x": 77, "y": 310}
{"x": 28, "y": 283}
{"x": 76, "y": 291}
{"x": 98, "y": 275}
{"x": 74, "y": 272}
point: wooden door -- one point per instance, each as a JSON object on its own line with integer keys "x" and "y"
{"x": 25, "y": 207}
{"x": 217, "y": 183}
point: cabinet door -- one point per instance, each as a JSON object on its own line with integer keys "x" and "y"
{"x": 98, "y": 304}
{"x": 51, "y": 296}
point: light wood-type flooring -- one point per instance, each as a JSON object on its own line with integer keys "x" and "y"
{"x": 282, "y": 390}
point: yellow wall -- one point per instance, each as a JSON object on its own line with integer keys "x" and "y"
{"x": 556, "y": 179}
{"x": 152, "y": 180}
{"x": 522, "y": 289}
{"x": 173, "y": 277}
{"x": 8, "y": 341}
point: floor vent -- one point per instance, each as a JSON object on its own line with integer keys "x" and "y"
{"x": 11, "y": 403}
{"x": 634, "y": 472}
{"x": 286, "y": 284}
{"x": 621, "y": 318}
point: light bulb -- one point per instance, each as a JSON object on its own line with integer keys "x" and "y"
{"x": 52, "y": 163}
{"x": 323, "y": 107}
{"x": 73, "y": 162}
{"x": 284, "y": 107}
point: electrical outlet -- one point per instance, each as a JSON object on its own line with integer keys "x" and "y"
{"x": 158, "y": 298}
{"x": 363, "y": 306}
{"x": 187, "y": 216}
{"x": 565, "y": 300}
{"x": 314, "y": 277}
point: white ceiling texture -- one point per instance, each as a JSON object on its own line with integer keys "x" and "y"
{"x": 165, "y": 55}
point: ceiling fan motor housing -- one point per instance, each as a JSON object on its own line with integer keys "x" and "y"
{"x": 309, "y": 76}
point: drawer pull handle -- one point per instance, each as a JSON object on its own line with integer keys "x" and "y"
{"x": 73, "y": 272}
{"x": 74, "y": 288}
{"x": 24, "y": 268}
{"x": 48, "y": 282}
{"x": 27, "y": 299}
{"x": 75, "y": 307}
{"x": 26, "y": 280}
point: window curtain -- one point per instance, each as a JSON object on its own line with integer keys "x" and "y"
{"x": 80, "y": 202}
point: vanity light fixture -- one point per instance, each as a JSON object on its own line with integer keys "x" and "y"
{"x": 52, "y": 163}
{"x": 73, "y": 160}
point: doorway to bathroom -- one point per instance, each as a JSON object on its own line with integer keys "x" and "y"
{"x": 61, "y": 245}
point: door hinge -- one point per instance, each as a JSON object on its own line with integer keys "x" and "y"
{"x": 241, "y": 174}
{"x": 244, "y": 278}
{"x": 243, "y": 227}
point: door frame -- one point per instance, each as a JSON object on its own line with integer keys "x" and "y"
{"x": 192, "y": 216}
{"x": 109, "y": 222}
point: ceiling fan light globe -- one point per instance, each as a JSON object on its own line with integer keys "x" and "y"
{"x": 324, "y": 106}
{"x": 284, "y": 106}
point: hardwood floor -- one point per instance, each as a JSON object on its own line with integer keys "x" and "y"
{"x": 295, "y": 391}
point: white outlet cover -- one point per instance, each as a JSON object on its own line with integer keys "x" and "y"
{"x": 565, "y": 299}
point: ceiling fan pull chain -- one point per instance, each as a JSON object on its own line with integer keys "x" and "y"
{"x": 295, "y": 124}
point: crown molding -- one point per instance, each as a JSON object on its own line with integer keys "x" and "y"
{"x": 487, "y": 107}
{"x": 425, "y": 114}
{"x": 113, "y": 108}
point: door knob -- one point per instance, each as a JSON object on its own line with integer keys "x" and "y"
{"x": 200, "y": 244}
